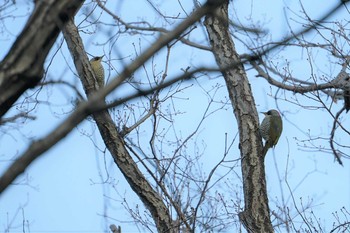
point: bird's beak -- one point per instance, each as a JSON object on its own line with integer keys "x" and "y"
{"x": 264, "y": 113}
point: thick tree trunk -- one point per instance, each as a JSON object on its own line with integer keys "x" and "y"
{"x": 255, "y": 217}
{"x": 112, "y": 137}
{"x": 114, "y": 141}
{"x": 107, "y": 127}
{"x": 23, "y": 66}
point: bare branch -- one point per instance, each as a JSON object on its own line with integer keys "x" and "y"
{"x": 130, "y": 26}
{"x": 22, "y": 68}
{"x": 108, "y": 127}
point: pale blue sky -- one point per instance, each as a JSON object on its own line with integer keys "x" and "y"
{"x": 65, "y": 194}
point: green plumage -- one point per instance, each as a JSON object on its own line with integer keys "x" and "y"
{"x": 271, "y": 129}
{"x": 98, "y": 70}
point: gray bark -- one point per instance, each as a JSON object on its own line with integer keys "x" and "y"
{"x": 255, "y": 217}
{"x": 22, "y": 67}
{"x": 112, "y": 138}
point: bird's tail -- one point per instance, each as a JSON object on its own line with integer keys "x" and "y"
{"x": 267, "y": 146}
{"x": 265, "y": 149}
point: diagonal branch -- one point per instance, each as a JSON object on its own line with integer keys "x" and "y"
{"x": 22, "y": 67}
{"x": 298, "y": 87}
{"x": 96, "y": 99}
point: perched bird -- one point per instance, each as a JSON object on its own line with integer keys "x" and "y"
{"x": 271, "y": 129}
{"x": 99, "y": 72}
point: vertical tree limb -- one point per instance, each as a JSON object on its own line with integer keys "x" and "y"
{"x": 256, "y": 216}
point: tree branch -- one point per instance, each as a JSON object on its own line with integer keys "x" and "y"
{"x": 256, "y": 215}
{"x": 22, "y": 67}
{"x": 96, "y": 99}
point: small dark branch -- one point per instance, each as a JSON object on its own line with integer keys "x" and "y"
{"x": 73, "y": 87}
{"x": 331, "y": 140}
{"x": 298, "y": 87}
{"x": 96, "y": 99}
{"x": 131, "y": 26}
{"x": 22, "y": 68}
{"x": 162, "y": 187}
{"x": 12, "y": 119}
{"x": 151, "y": 111}
{"x": 305, "y": 30}
{"x": 345, "y": 225}
{"x": 38, "y": 147}
{"x": 205, "y": 189}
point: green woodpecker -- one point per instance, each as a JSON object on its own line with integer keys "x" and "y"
{"x": 99, "y": 72}
{"x": 271, "y": 128}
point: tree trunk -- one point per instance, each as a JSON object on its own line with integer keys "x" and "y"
{"x": 255, "y": 217}
{"x": 114, "y": 142}
{"x": 23, "y": 66}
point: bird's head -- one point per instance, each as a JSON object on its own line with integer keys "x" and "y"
{"x": 97, "y": 58}
{"x": 271, "y": 112}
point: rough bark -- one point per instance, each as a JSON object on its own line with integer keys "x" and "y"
{"x": 255, "y": 216}
{"x": 112, "y": 138}
{"x": 114, "y": 141}
{"x": 22, "y": 68}
{"x": 95, "y": 102}
{"x": 107, "y": 127}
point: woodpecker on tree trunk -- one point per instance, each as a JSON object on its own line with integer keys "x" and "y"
{"x": 98, "y": 70}
{"x": 271, "y": 129}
